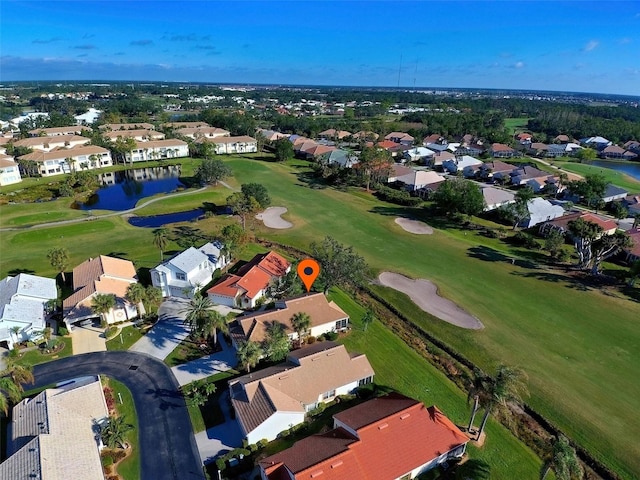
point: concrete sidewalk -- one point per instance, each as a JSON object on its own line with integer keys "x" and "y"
{"x": 222, "y": 438}
{"x": 208, "y": 365}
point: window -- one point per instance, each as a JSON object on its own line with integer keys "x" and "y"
{"x": 342, "y": 324}
{"x": 365, "y": 381}
{"x": 181, "y": 276}
{"x": 329, "y": 394}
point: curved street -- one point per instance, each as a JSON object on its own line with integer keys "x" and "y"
{"x": 167, "y": 446}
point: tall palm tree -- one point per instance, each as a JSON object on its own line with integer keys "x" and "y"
{"x": 15, "y": 330}
{"x": 160, "y": 240}
{"x": 507, "y": 386}
{"x": 102, "y": 304}
{"x": 198, "y": 314}
{"x": 153, "y": 296}
{"x": 301, "y": 322}
{"x": 215, "y": 322}
{"x": 9, "y": 394}
{"x": 114, "y": 433}
{"x": 367, "y": 319}
{"x": 562, "y": 460}
{"x": 19, "y": 374}
{"x": 478, "y": 387}
{"x": 136, "y": 293}
{"x": 249, "y": 354}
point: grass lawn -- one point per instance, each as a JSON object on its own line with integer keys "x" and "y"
{"x": 398, "y": 366}
{"x": 617, "y": 178}
{"x": 130, "y": 335}
{"x": 35, "y": 357}
{"x": 209, "y": 415}
{"x": 129, "y": 468}
{"x": 186, "y": 351}
{"x": 514, "y": 125}
{"x": 578, "y": 344}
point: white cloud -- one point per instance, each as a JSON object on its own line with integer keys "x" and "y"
{"x": 592, "y": 45}
{"x": 519, "y": 64}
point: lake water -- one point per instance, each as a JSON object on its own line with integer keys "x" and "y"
{"x": 156, "y": 221}
{"x": 631, "y": 169}
{"x": 122, "y": 190}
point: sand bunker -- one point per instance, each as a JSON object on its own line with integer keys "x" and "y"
{"x": 425, "y": 295}
{"x": 414, "y": 226}
{"x": 271, "y": 218}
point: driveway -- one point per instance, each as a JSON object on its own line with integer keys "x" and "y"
{"x": 220, "y": 439}
{"x": 88, "y": 339}
{"x": 168, "y": 450}
{"x": 208, "y": 365}
{"x": 167, "y": 333}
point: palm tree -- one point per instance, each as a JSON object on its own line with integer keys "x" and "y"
{"x": 478, "y": 386}
{"x": 9, "y": 394}
{"x": 249, "y": 354}
{"x": 562, "y": 460}
{"x": 198, "y": 314}
{"x": 506, "y": 387}
{"x": 114, "y": 433}
{"x": 18, "y": 373}
{"x": 160, "y": 240}
{"x": 15, "y": 330}
{"x": 301, "y": 322}
{"x": 215, "y": 322}
{"x": 367, "y": 319}
{"x": 153, "y": 296}
{"x": 59, "y": 259}
{"x": 102, "y": 304}
{"x": 136, "y": 293}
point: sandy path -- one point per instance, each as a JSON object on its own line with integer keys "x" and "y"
{"x": 414, "y": 226}
{"x": 271, "y": 218}
{"x": 425, "y": 295}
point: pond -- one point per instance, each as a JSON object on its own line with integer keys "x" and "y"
{"x": 631, "y": 169}
{"x": 122, "y": 190}
{"x": 156, "y": 221}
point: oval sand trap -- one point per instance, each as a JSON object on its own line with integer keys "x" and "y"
{"x": 425, "y": 295}
{"x": 271, "y": 218}
{"x": 414, "y": 226}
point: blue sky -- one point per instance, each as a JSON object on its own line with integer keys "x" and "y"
{"x": 585, "y": 46}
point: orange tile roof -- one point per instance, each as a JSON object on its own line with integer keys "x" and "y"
{"x": 226, "y": 286}
{"x": 394, "y": 435}
{"x": 387, "y": 144}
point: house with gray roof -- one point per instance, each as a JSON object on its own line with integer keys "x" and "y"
{"x": 187, "y": 272}
{"x": 23, "y": 307}
{"x": 55, "y": 435}
{"x": 540, "y": 210}
{"x": 496, "y": 198}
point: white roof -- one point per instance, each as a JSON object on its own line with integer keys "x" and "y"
{"x": 420, "y": 152}
{"x": 420, "y": 177}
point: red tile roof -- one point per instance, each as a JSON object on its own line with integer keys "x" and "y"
{"x": 386, "y": 144}
{"x": 394, "y": 435}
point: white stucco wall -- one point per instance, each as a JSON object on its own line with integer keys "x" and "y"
{"x": 275, "y": 424}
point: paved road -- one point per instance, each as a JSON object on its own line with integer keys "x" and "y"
{"x": 168, "y": 447}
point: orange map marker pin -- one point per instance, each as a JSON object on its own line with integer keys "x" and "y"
{"x": 308, "y": 271}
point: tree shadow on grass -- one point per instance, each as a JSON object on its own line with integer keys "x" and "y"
{"x": 309, "y": 179}
{"x": 435, "y": 221}
{"x": 488, "y": 254}
{"x": 569, "y": 281}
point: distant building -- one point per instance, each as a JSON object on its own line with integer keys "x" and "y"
{"x": 229, "y": 145}
{"x": 9, "y": 171}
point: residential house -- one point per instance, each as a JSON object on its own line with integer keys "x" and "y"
{"x": 439, "y": 158}
{"x": 203, "y": 132}
{"x": 435, "y": 138}
{"x": 633, "y": 252}
{"x": 244, "y": 288}
{"x": 57, "y": 131}
{"x": 47, "y": 144}
{"x": 438, "y": 147}
{"x": 531, "y": 176}
{"x": 101, "y": 275}
{"x": 9, "y": 171}
{"x": 228, "y": 145}
{"x": 463, "y": 165}
{"x": 271, "y": 135}
{"x": 524, "y": 138}
{"x": 67, "y": 160}
{"x": 613, "y": 193}
{"x": 89, "y": 117}
{"x": 139, "y": 135}
{"x": 499, "y": 150}
{"x": 317, "y": 152}
{"x": 126, "y": 126}
{"x": 400, "y": 137}
{"x": 339, "y": 157}
{"x": 398, "y": 170}
{"x": 185, "y": 273}
{"x": 561, "y": 224}
{"x": 23, "y": 307}
{"x": 473, "y": 149}
{"x": 276, "y": 398}
{"x": 364, "y": 135}
{"x": 158, "y": 150}
{"x": 540, "y": 210}
{"x": 538, "y": 149}
{"x": 633, "y": 146}
{"x": 325, "y": 317}
{"x": 419, "y": 155}
{"x": 53, "y": 435}
{"x": 632, "y": 202}
{"x": 496, "y": 197}
{"x": 562, "y": 139}
{"x": 177, "y": 125}
{"x": 599, "y": 143}
{"x": 333, "y": 134}
{"x": 614, "y": 151}
{"x": 386, "y": 438}
{"x": 421, "y": 180}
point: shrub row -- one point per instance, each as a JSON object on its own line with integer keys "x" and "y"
{"x": 399, "y": 197}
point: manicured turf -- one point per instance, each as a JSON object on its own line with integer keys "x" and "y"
{"x": 514, "y": 125}
{"x": 35, "y": 357}
{"x": 398, "y": 366}
{"x": 125, "y": 339}
{"x": 578, "y": 345}
{"x": 613, "y": 176}
{"x": 129, "y": 468}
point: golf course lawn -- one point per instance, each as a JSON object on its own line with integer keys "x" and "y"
{"x": 578, "y": 345}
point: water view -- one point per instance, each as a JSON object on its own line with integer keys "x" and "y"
{"x": 631, "y": 169}
{"x": 155, "y": 221}
{"x": 122, "y": 190}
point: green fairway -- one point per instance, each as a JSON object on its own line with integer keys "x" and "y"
{"x": 578, "y": 345}
{"x": 514, "y": 125}
{"x": 617, "y": 178}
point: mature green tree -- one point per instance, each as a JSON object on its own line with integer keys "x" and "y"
{"x": 593, "y": 246}
{"x": 283, "y": 149}
{"x": 286, "y": 286}
{"x": 591, "y": 189}
{"x": 187, "y": 236}
{"x": 562, "y": 459}
{"x": 233, "y": 237}
{"x": 199, "y": 391}
{"x": 473, "y": 469}
{"x": 249, "y": 354}
{"x": 520, "y": 209}
{"x": 618, "y": 210}
{"x": 199, "y": 314}
{"x": 301, "y": 321}
{"x": 553, "y": 243}
{"x": 243, "y": 206}
{"x": 457, "y": 195}
{"x": 114, "y": 432}
{"x": 257, "y": 191}
{"x": 160, "y": 240}
{"x": 339, "y": 265}
{"x": 102, "y": 304}
{"x": 10, "y": 394}
{"x": 367, "y": 319}
{"x": 586, "y": 154}
{"x": 634, "y": 273}
{"x": 59, "y": 259}
{"x": 136, "y": 294}
{"x": 374, "y": 166}
{"x": 277, "y": 344}
{"x": 506, "y": 387}
{"x": 123, "y": 147}
{"x": 212, "y": 171}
